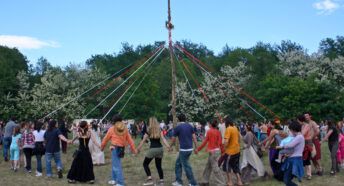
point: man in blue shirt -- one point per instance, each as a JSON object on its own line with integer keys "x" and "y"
{"x": 186, "y": 135}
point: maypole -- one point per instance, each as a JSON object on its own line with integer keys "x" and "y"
{"x": 169, "y": 26}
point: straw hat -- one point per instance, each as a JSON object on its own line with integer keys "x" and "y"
{"x": 120, "y": 128}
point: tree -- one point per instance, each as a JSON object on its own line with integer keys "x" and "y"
{"x": 298, "y": 64}
{"x": 289, "y": 97}
{"x": 11, "y": 63}
{"x": 23, "y": 99}
{"x": 332, "y": 48}
{"x": 289, "y": 46}
{"x": 42, "y": 66}
{"x": 59, "y": 87}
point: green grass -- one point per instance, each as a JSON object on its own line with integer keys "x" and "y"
{"x": 134, "y": 174}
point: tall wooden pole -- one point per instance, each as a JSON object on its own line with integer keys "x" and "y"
{"x": 170, "y": 27}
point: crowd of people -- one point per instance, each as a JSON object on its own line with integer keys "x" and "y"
{"x": 293, "y": 147}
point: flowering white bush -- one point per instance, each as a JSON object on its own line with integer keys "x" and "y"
{"x": 299, "y": 64}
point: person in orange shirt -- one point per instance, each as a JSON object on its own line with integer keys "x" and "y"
{"x": 214, "y": 141}
{"x": 119, "y": 136}
{"x": 232, "y": 151}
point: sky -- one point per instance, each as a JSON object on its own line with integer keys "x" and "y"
{"x": 66, "y": 31}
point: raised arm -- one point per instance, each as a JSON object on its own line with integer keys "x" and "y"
{"x": 327, "y": 135}
{"x": 94, "y": 140}
{"x": 204, "y": 143}
{"x": 19, "y": 144}
{"x": 272, "y": 134}
{"x": 294, "y": 142}
{"x": 195, "y": 142}
{"x": 64, "y": 139}
{"x": 75, "y": 137}
{"x": 131, "y": 142}
{"x": 145, "y": 137}
{"x": 164, "y": 140}
{"x": 106, "y": 138}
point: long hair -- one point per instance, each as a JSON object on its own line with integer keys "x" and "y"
{"x": 249, "y": 127}
{"x": 16, "y": 130}
{"x": 154, "y": 128}
{"x": 38, "y": 126}
{"x": 94, "y": 126}
{"x": 51, "y": 125}
{"x": 330, "y": 122}
{"x": 83, "y": 126}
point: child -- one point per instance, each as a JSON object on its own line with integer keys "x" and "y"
{"x": 164, "y": 132}
{"x": 340, "y": 152}
{"x": 14, "y": 148}
{"x": 285, "y": 140}
{"x": 28, "y": 144}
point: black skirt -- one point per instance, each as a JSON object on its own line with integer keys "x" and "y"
{"x": 82, "y": 166}
{"x": 39, "y": 149}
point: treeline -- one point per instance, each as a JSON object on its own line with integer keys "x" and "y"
{"x": 284, "y": 77}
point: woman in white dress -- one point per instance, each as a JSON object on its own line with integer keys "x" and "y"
{"x": 251, "y": 163}
{"x": 97, "y": 155}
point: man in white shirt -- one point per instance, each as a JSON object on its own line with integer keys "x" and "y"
{"x": 206, "y": 128}
{"x": 162, "y": 125}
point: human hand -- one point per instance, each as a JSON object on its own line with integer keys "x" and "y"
{"x": 196, "y": 151}
{"x": 170, "y": 149}
{"x": 138, "y": 151}
{"x": 279, "y": 147}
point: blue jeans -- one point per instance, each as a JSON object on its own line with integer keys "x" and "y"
{"x": 116, "y": 171}
{"x": 57, "y": 159}
{"x": 183, "y": 161}
{"x": 288, "y": 176}
{"x": 7, "y": 144}
{"x": 39, "y": 163}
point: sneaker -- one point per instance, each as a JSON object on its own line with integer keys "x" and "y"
{"x": 70, "y": 181}
{"x": 176, "y": 184}
{"x": 192, "y": 185}
{"x": 278, "y": 160}
{"x": 38, "y": 174}
{"x": 28, "y": 170}
{"x": 148, "y": 182}
{"x": 161, "y": 183}
{"x": 15, "y": 169}
{"x": 59, "y": 173}
{"x": 112, "y": 182}
{"x": 118, "y": 184}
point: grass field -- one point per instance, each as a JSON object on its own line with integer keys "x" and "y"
{"x": 134, "y": 174}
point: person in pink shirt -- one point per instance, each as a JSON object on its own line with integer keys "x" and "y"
{"x": 214, "y": 141}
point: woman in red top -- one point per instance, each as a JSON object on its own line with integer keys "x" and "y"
{"x": 214, "y": 140}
